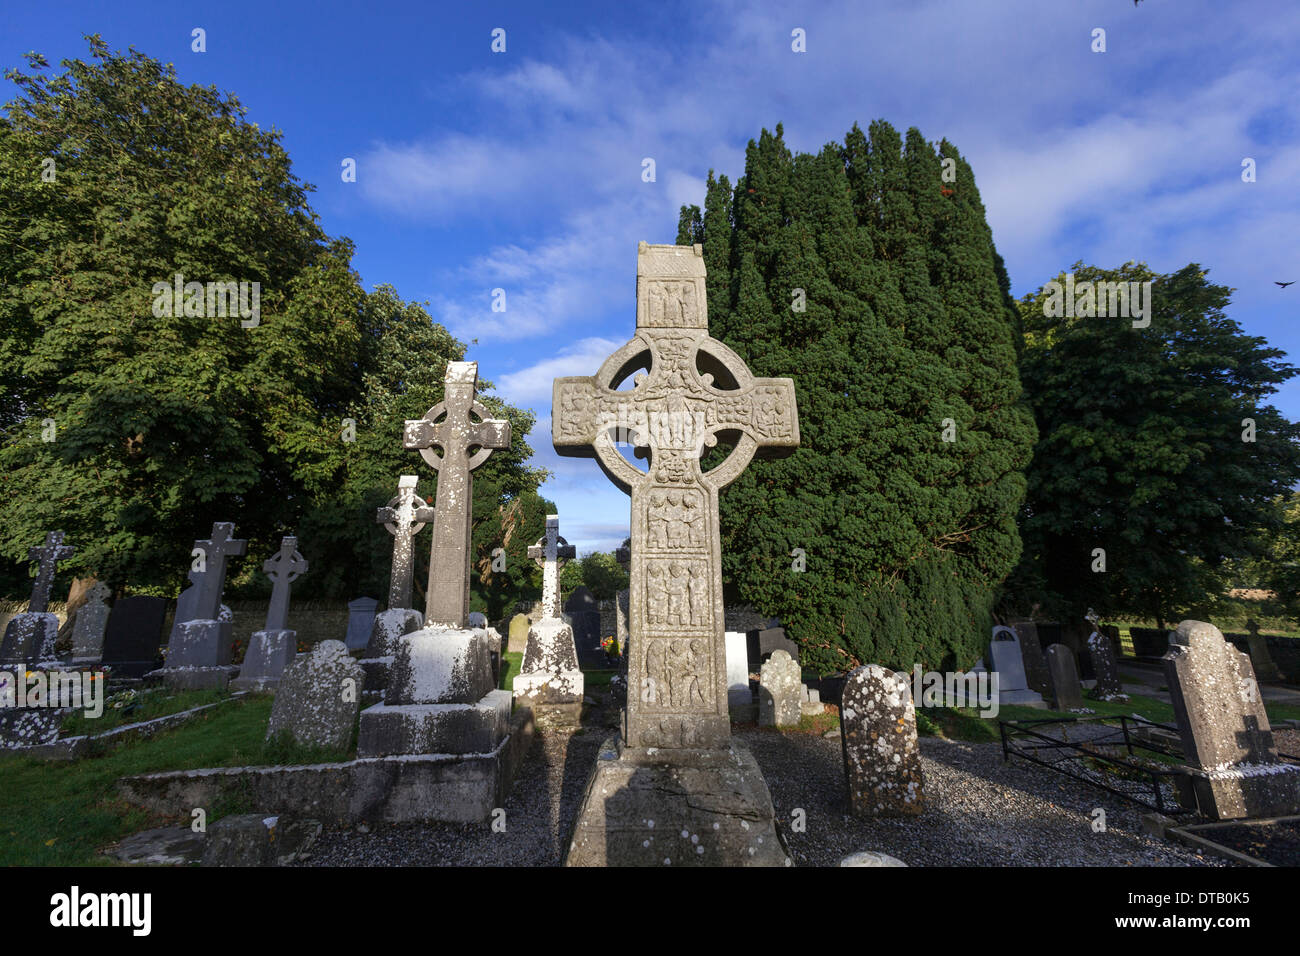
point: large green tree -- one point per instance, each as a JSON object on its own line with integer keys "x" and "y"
{"x": 133, "y": 425}
{"x": 867, "y": 273}
{"x": 1157, "y": 450}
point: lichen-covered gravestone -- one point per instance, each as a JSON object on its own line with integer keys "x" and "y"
{"x": 29, "y": 637}
{"x": 441, "y": 696}
{"x": 779, "y": 691}
{"x": 88, "y": 631}
{"x": 1105, "y": 668}
{"x": 319, "y": 697}
{"x": 273, "y": 648}
{"x": 1067, "y": 692}
{"x": 550, "y": 681}
{"x": 677, "y": 789}
{"x": 1226, "y": 735}
{"x": 882, "y": 762}
{"x": 198, "y": 654}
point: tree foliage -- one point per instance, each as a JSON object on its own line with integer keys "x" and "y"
{"x": 1156, "y": 446}
{"x": 906, "y": 327}
{"x": 132, "y": 430}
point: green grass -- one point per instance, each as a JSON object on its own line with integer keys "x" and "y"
{"x": 153, "y": 703}
{"x": 511, "y": 662}
{"x": 61, "y": 813}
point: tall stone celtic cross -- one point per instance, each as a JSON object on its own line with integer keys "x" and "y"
{"x": 282, "y": 568}
{"x": 695, "y": 390}
{"x": 49, "y": 555}
{"x": 215, "y": 551}
{"x": 404, "y": 517}
{"x": 551, "y": 551}
{"x": 447, "y": 599}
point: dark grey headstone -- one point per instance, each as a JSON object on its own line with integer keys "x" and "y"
{"x": 1031, "y": 652}
{"x": 1067, "y": 694}
{"x": 767, "y": 640}
{"x": 133, "y": 640}
{"x": 361, "y": 621}
{"x": 584, "y": 615}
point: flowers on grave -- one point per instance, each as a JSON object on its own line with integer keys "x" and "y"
{"x": 123, "y": 698}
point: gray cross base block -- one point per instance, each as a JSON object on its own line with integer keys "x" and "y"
{"x": 440, "y": 699}
{"x": 268, "y": 654}
{"x": 389, "y": 626}
{"x": 684, "y": 807}
{"x": 198, "y": 657}
{"x": 29, "y": 638}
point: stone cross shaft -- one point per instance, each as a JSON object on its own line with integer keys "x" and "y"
{"x": 215, "y": 551}
{"x": 404, "y": 517}
{"x": 551, "y": 551}
{"x": 451, "y": 426}
{"x": 49, "y": 555}
{"x": 695, "y": 389}
{"x": 283, "y": 568}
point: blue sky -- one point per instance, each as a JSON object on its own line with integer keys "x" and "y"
{"x": 522, "y": 170}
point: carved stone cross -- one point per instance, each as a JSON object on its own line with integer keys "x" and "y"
{"x": 49, "y": 555}
{"x": 283, "y": 568}
{"x": 447, "y": 598}
{"x": 695, "y": 390}
{"x": 404, "y": 517}
{"x": 551, "y": 551}
{"x": 215, "y": 551}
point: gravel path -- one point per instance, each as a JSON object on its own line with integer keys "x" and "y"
{"x": 979, "y": 811}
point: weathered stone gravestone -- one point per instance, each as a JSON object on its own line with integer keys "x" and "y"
{"x": 187, "y": 602}
{"x": 441, "y": 697}
{"x": 1031, "y": 655}
{"x": 658, "y": 796}
{"x": 739, "y": 693}
{"x": 30, "y": 636}
{"x": 1260, "y": 659}
{"x": 133, "y": 641}
{"x": 550, "y": 681}
{"x": 273, "y": 648}
{"x": 319, "y": 697}
{"x": 780, "y": 690}
{"x": 198, "y": 653}
{"x": 1105, "y": 668}
{"x": 1009, "y": 665}
{"x": 1067, "y": 692}
{"x": 1226, "y": 735}
{"x": 882, "y": 761}
{"x": 361, "y": 622}
{"x": 518, "y": 640}
{"x": 88, "y": 631}
{"x": 404, "y": 517}
{"x": 583, "y": 613}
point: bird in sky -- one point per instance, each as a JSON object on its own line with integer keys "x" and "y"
{"x": 1284, "y": 284}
